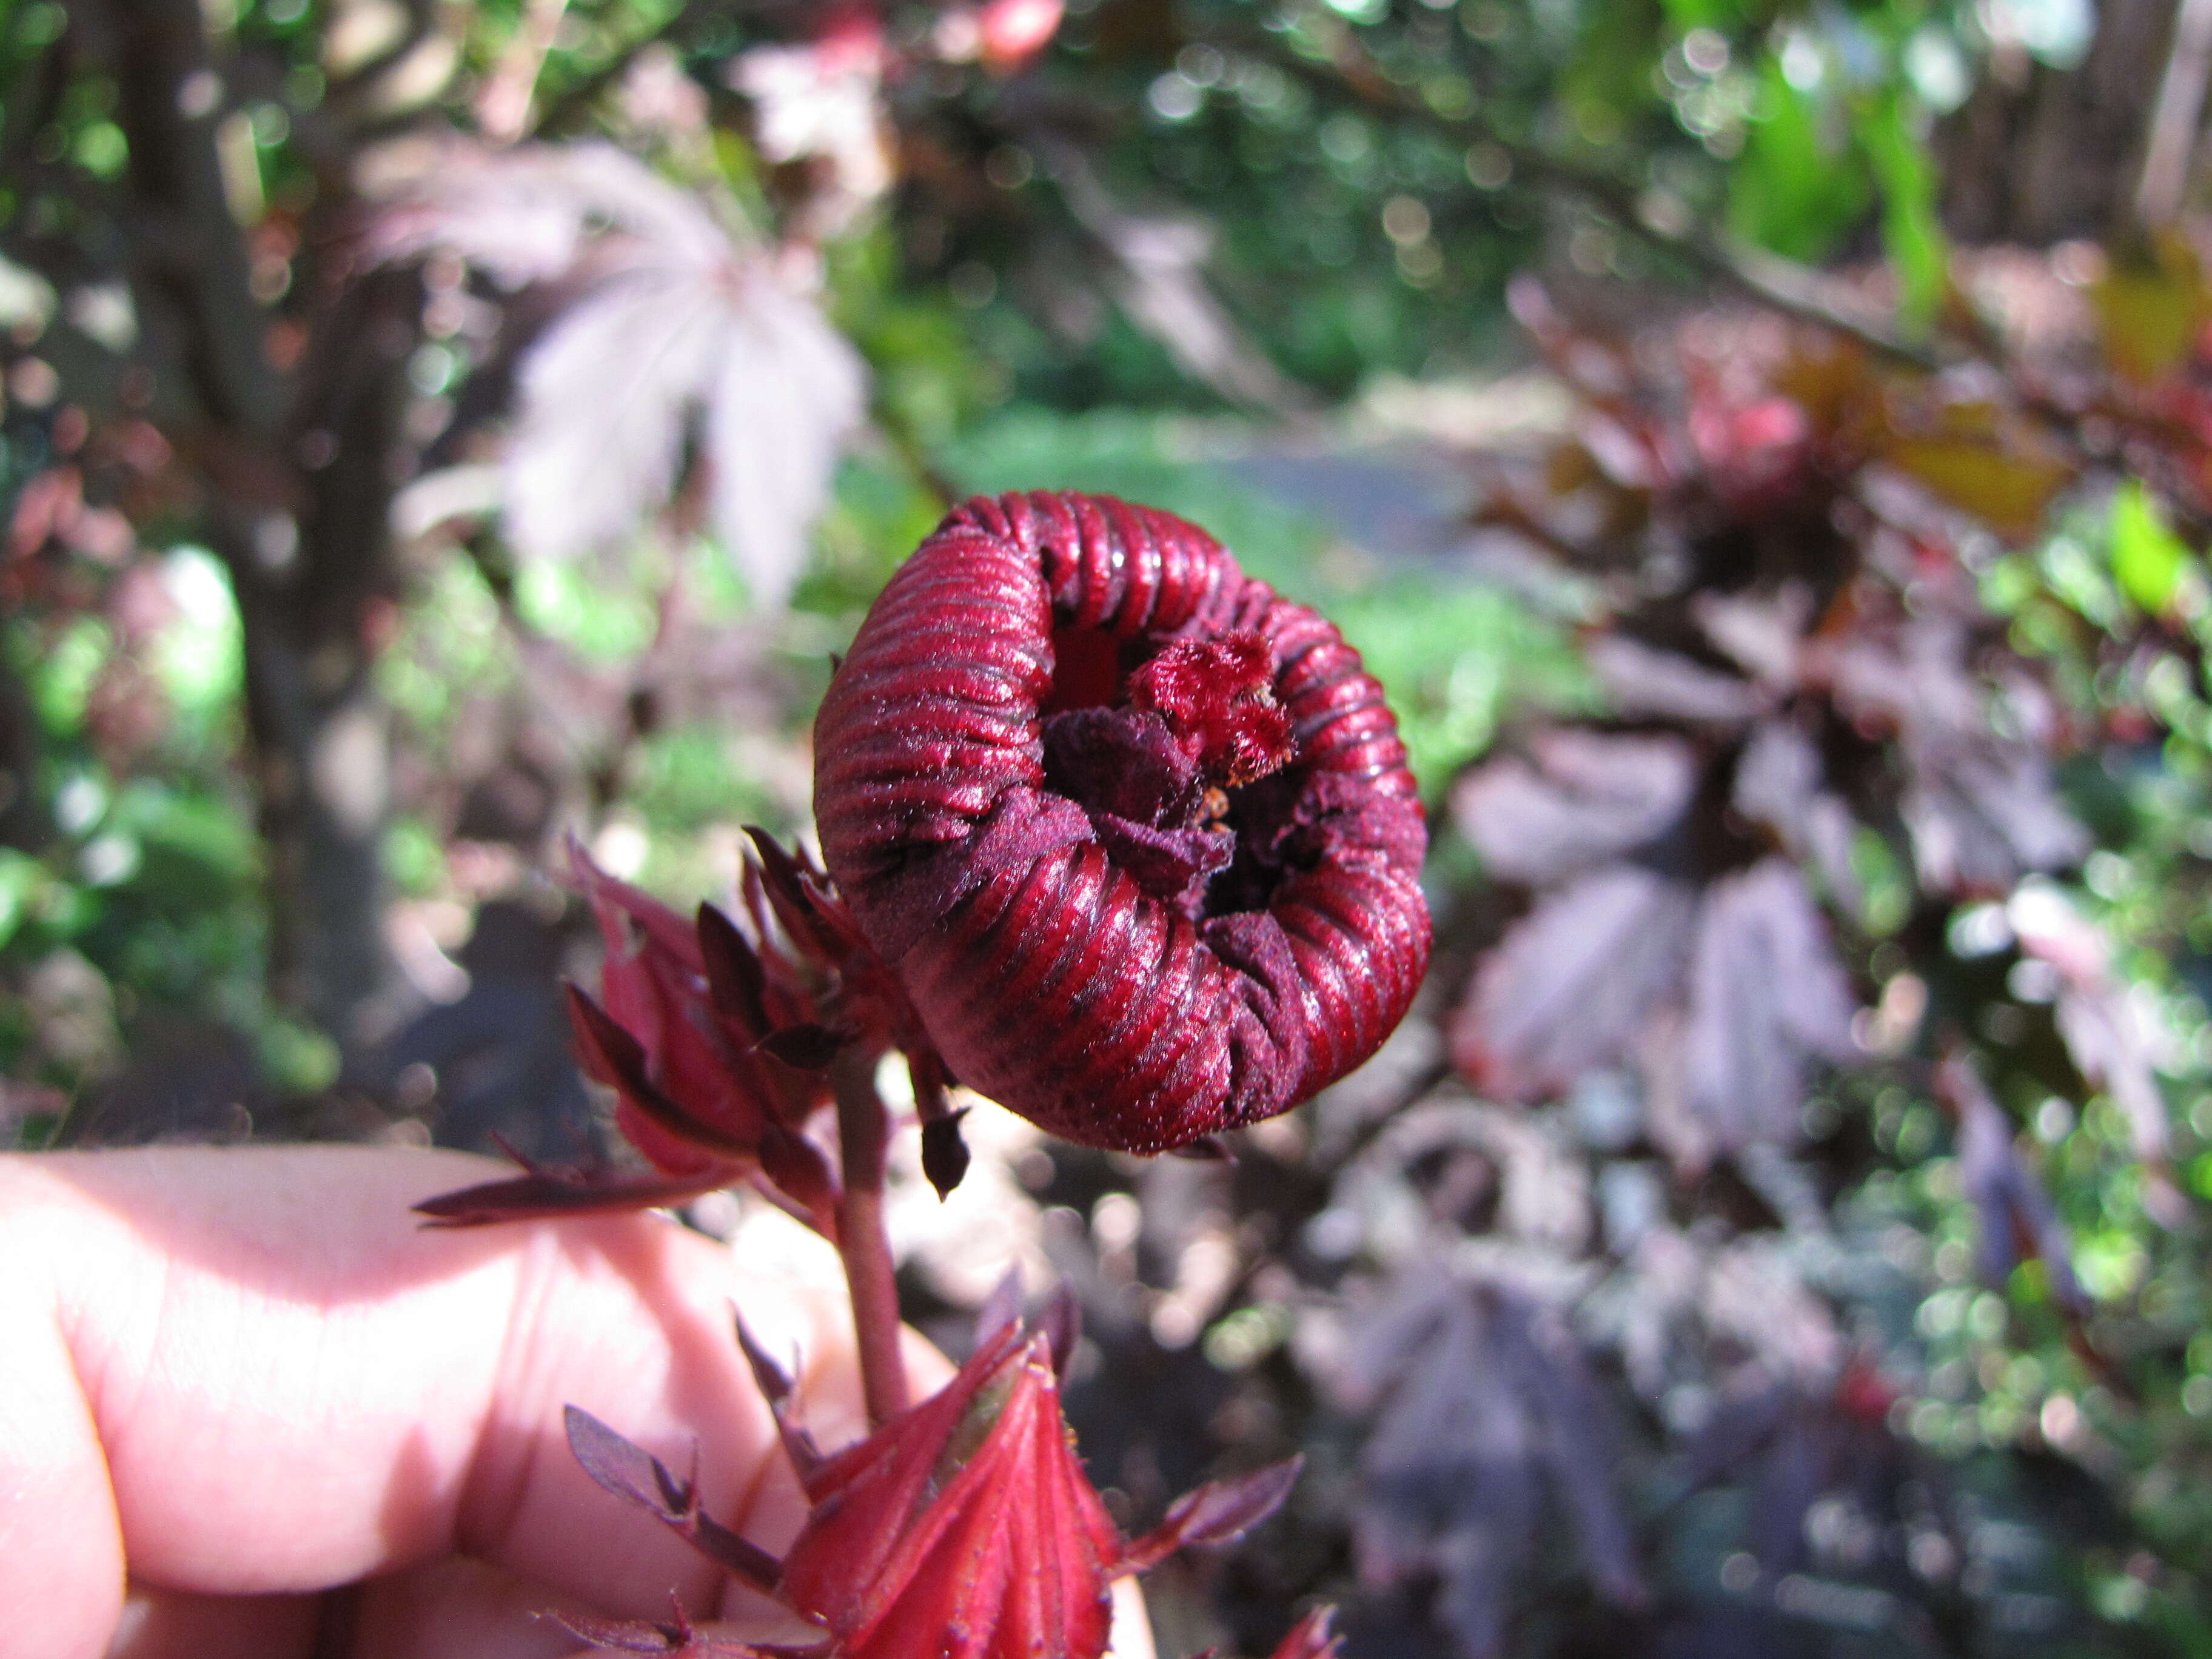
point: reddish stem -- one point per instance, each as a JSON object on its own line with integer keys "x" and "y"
{"x": 863, "y": 1141}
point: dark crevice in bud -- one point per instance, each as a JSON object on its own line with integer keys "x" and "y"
{"x": 1164, "y": 773}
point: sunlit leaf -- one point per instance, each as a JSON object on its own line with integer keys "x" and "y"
{"x": 2150, "y": 306}
{"x": 2148, "y": 557}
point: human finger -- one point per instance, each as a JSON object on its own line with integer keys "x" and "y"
{"x": 246, "y": 1372}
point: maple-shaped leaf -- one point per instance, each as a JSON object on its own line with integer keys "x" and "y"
{"x": 1642, "y": 681}
{"x": 529, "y": 213}
{"x": 1575, "y": 984}
{"x": 678, "y": 331}
{"x": 1766, "y": 995}
{"x": 1577, "y": 797}
{"x": 1789, "y": 1445}
{"x": 1491, "y": 1427}
{"x": 1780, "y": 786}
{"x": 1980, "y": 803}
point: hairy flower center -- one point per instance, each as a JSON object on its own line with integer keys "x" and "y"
{"x": 1164, "y": 772}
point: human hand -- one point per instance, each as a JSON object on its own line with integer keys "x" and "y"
{"x": 251, "y": 1408}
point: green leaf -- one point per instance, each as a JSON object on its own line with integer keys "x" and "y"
{"x": 2149, "y": 306}
{"x": 1798, "y": 188}
{"x": 1912, "y": 231}
{"x": 2148, "y": 559}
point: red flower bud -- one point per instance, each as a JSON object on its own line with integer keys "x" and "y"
{"x": 711, "y": 1040}
{"x": 1135, "y": 832}
{"x": 964, "y": 1527}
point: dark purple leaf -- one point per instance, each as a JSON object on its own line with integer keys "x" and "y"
{"x": 679, "y": 1638}
{"x": 735, "y": 980}
{"x": 595, "y": 1190}
{"x": 1982, "y": 812}
{"x": 2109, "y": 1041}
{"x": 1574, "y": 985}
{"x": 1002, "y": 1308}
{"x": 1576, "y": 799}
{"x": 1220, "y": 1512}
{"x": 1062, "y": 1321}
{"x": 1765, "y": 993}
{"x": 629, "y": 1471}
{"x": 776, "y": 1388}
{"x": 1765, "y": 636}
{"x": 1644, "y": 682}
{"x": 1979, "y": 803}
{"x": 1578, "y": 1449}
{"x": 809, "y": 1047}
{"x": 1489, "y": 1420}
{"x": 1787, "y": 1447}
{"x": 1778, "y": 779}
{"x": 624, "y": 1635}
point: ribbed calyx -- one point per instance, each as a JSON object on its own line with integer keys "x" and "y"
{"x": 1135, "y": 832}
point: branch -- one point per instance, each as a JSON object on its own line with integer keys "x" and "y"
{"x": 503, "y": 104}
{"x": 190, "y": 257}
{"x": 575, "y": 102}
{"x": 1778, "y": 283}
{"x": 2175, "y": 117}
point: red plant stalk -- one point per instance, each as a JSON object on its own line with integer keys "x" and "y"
{"x": 863, "y": 1146}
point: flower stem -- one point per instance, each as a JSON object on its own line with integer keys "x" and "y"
{"x": 864, "y": 1140}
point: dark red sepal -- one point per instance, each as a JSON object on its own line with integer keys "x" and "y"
{"x": 776, "y": 1388}
{"x": 678, "y": 1639}
{"x": 1220, "y": 1512}
{"x": 944, "y": 1155}
{"x": 545, "y": 1193}
{"x": 802, "y": 1174}
{"x": 736, "y": 981}
{"x": 799, "y": 896}
{"x": 630, "y": 1471}
{"x": 1309, "y": 1639}
{"x": 806, "y": 1047}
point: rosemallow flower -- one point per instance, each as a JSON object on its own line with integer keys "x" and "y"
{"x": 963, "y": 1529}
{"x": 1135, "y": 833}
